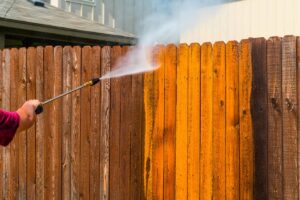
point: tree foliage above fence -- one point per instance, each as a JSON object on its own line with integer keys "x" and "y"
{"x": 215, "y": 120}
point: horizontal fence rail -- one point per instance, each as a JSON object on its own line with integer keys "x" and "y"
{"x": 214, "y": 121}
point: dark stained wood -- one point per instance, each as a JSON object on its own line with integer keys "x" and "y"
{"x": 95, "y": 135}
{"x": 170, "y": 121}
{"x": 136, "y": 138}
{"x": 13, "y": 177}
{"x": 274, "y": 119}
{"x": 259, "y": 109}
{"x": 31, "y": 133}
{"x": 289, "y": 103}
{"x": 85, "y": 124}
{"x": 125, "y": 133}
{"x": 75, "y": 124}
{"x": 104, "y": 124}
{"x": 40, "y": 126}
{"x": 114, "y": 139}
{"x": 66, "y": 122}
{"x": 22, "y": 148}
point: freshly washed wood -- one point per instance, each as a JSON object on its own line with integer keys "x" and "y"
{"x": 95, "y": 133}
{"x": 219, "y": 118}
{"x": 289, "y": 105}
{"x": 170, "y": 121}
{"x": 1, "y": 148}
{"x": 274, "y": 74}
{"x": 181, "y": 174}
{"x": 246, "y": 132}
{"x": 158, "y": 130}
{"x": 66, "y": 123}
{"x": 206, "y": 173}
{"x": 22, "y": 146}
{"x": 232, "y": 121}
{"x": 259, "y": 109}
{"x": 193, "y": 121}
{"x": 104, "y": 127}
{"x": 75, "y": 124}
{"x": 40, "y": 127}
{"x": 85, "y": 120}
{"x": 114, "y": 139}
{"x": 31, "y": 133}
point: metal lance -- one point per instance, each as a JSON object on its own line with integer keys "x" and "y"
{"x": 92, "y": 82}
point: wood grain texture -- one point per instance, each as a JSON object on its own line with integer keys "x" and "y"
{"x": 170, "y": 121}
{"x": 66, "y": 122}
{"x": 219, "y": 120}
{"x": 136, "y": 138}
{"x": 53, "y": 87}
{"x": 193, "y": 121}
{"x": 274, "y": 74}
{"x": 289, "y": 98}
{"x": 85, "y": 124}
{"x": 95, "y": 135}
{"x": 13, "y": 177}
{"x": 181, "y": 174}
{"x": 1, "y": 147}
{"x": 22, "y": 146}
{"x": 298, "y": 103}
{"x": 206, "y": 176}
{"x": 31, "y": 133}
{"x": 125, "y": 133}
{"x": 232, "y": 121}
{"x": 6, "y": 70}
{"x": 246, "y": 131}
{"x": 105, "y": 128}
{"x": 114, "y": 139}
{"x": 148, "y": 128}
{"x": 75, "y": 123}
{"x": 158, "y": 137}
{"x": 259, "y": 109}
{"x": 40, "y": 127}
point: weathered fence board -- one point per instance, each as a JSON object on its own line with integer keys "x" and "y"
{"x": 290, "y": 136}
{"x": 274, "y": 118}
{"x": 214, "y": 121}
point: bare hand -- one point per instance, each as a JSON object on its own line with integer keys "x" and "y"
{"x": 27, "y": 114}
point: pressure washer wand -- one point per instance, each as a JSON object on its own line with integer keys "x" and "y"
{"x": 92, "y": 82}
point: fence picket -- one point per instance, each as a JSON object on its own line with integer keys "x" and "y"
{"x": 274, "y": 118}
{"x": 289, "y": 104}
{"x": 193, "y": 121}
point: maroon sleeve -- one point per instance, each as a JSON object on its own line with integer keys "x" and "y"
{"x": 9, "y": 123}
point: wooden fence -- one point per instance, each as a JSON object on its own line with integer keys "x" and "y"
{"x": 213, "y": 122}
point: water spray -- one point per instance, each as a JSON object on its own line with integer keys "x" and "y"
{"x": 92, "y": 82}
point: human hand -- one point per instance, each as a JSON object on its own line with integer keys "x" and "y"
{"x": 27, "y": 114}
